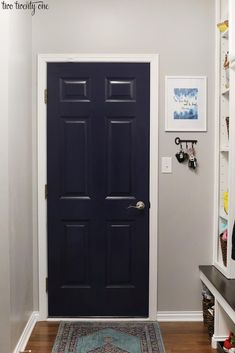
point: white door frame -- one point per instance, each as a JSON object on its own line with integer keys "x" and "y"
{"x": 43, "y": 59}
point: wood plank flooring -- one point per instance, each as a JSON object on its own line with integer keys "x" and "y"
{"x": 185, "y": 337}
{"x": 179, "y": 337}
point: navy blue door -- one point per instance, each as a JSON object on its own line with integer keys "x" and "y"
{"x": 98, "y": 166}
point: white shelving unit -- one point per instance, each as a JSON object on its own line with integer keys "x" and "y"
{"x": 225, "y": 141}
{"x": 224, "y": 311}
{"x": 224, "y": 314}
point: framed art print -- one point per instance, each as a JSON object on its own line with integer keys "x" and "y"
{"x": 186, "y": 103}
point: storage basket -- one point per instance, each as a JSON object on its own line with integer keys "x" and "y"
{"x": 223, "y": 244}
{"x": 206, "y": 304}
{"x": 210, "y": 324}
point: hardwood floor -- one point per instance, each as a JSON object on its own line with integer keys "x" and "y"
{"x": 42, "y": 337}
{"x": 185, "y": 337}
{"x": 178, "y": 337}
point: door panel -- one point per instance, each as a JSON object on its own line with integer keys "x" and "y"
{"x": 98, "y": 165}
{"x": 75, "y": 258}
{"x": 119, "y": 273}
{"x": 75, "y": 89}
{"x": 74, "y": 150}
{"x": 120, "y": 174}
{"x": 120, "y": 89}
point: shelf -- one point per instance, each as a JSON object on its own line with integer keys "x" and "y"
{"x": 223, "y": 291}
{"x": 225, "y": 34}
{"x": 223, "y": 288}
{"x": 223, "y": 214}
{"x": 225, "y": 92}
{"x": 224, "y": 149}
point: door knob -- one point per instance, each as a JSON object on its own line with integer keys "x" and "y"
{"x": 139, "y": 205}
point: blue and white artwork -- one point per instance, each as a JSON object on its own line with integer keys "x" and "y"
{"x": 185, "y": 103}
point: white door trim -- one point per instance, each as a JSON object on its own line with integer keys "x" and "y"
{"x": 43, "y": 59}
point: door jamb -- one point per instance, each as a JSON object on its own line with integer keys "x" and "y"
{"x": 43, "y": 59}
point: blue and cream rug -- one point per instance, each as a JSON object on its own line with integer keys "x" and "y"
{"x": 113, "y": 337}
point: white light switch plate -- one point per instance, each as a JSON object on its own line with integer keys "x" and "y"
{"x": 166, "y": 165}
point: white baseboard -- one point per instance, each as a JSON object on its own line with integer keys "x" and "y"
{"x": 96, "y": 319}
{"x": 161, "y": 316}
{"x": 179, "y": 316}
{"x": 27, "y": 332}
{"x": 216, "y": 339}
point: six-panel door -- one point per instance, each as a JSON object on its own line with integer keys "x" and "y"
{"x": 98, "y": 165}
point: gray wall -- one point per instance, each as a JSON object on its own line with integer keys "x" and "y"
{"x": 16, "y": 241}
{"x": 182, "y": 32}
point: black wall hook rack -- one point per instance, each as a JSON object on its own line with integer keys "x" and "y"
{"x": 178, "y": 141}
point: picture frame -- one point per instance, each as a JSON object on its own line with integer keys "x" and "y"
{"x": 185, "y": 103}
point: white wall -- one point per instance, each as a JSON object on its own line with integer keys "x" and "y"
{"x": 16, "y": 241}
{"x": 20, "y": 170}
{"x": 4, "y": 192}
{"x": 182, "y": 32}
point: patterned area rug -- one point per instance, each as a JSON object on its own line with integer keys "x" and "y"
{"x": 113, "y": 337}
